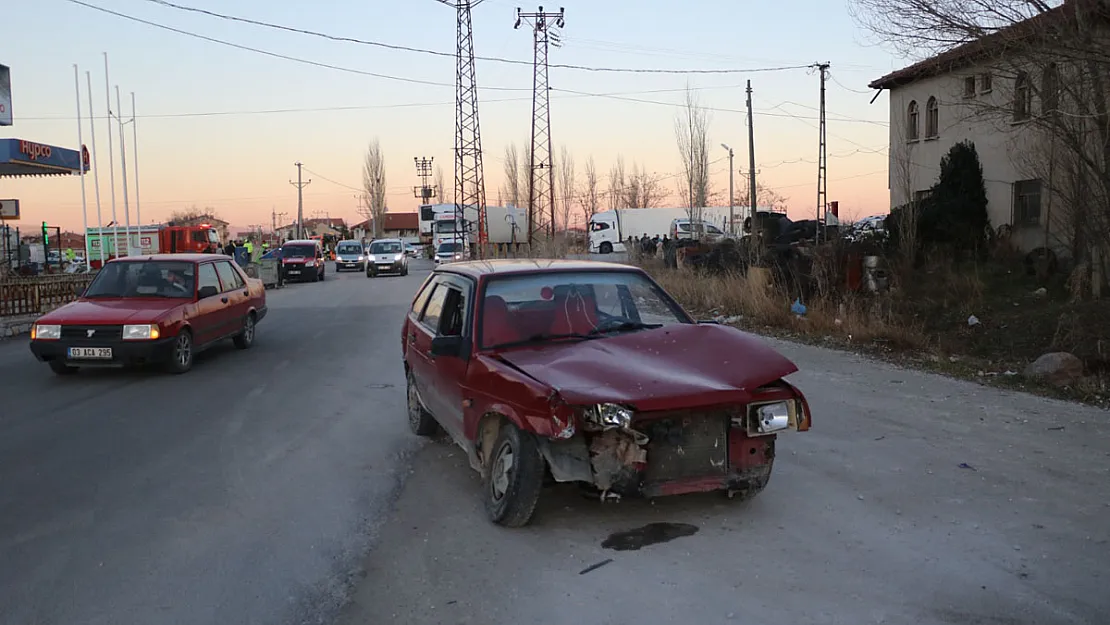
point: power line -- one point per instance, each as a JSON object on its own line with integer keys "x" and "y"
{"x": 403, "y": 48}
{"x": 326, "y": 179}
{"x": 277, "y": 55}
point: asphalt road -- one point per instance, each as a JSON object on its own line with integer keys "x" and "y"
{"x": 280, "y": 485}
{"x": 246, "y": 491}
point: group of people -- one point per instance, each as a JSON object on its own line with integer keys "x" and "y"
{"x": 649, "y": 246}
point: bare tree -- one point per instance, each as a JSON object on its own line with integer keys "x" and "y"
{"x": 512, "y": 189}
{"x": 1036, "y": 52}
{"x": 589, "y": 199}
{"x": 440, "y": 181}
{"x": 617, "y": 183}
{"x": 567, "y": 183}
{"x": 643, "y": 189}
{"x": 765, "y": 198}
{"x": 373, "y": 185}
{"x": 692, "y": 132}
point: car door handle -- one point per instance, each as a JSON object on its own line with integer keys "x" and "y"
{"x": 223, "y": 299}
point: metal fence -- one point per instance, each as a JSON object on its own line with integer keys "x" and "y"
{"x": 39, "y": 294}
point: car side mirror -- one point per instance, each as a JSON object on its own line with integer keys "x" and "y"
{"x": 448, "y": 346}
{"x": 206, "y": 292}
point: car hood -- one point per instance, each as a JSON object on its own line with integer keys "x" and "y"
{"x": 676, "y": 366}
{"x": 112, "y": 311}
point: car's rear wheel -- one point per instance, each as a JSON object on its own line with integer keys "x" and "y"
{"x": 514, "y": 478}
{"x": 181, "y": 359}
{"x": 245, "y": 338}
{"x": 421, "y": 421}
{"x": 61, "y": 368}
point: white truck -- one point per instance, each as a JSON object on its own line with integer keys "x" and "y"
{"x": 610, "y": 230}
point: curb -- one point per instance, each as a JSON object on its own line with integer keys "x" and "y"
{"x": 16, "y": 326}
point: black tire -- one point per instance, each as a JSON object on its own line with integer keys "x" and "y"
{"x": 245, "y": 339}
{"x": 59, "y": 367}
{"x": 605, "y": 248}
{"x": 405, "y": 270}
{"x": 323, "y": 272}
{"x": 421, "y": 422}
{"x": 181, "y": 358}
{"x": 511, "y": 492}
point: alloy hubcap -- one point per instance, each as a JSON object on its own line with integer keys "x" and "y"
{"x": 502, "y": 471}
{"x": 184, "y": 350}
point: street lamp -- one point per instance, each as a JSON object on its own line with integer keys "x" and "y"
{"x": 731, "y": 212}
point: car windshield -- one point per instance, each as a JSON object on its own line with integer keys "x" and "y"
{"x": 349, "y": 248}
{"x": 444, "y": 227}
{"x": 385, "y": 247}
{"x": 552, "y": 305}
{"x": 448, "y": 248}
{"x": 298, "y": 251}
{"x": 144, "y": 279}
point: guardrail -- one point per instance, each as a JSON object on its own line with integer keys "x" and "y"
{"x": 36, "y": 295}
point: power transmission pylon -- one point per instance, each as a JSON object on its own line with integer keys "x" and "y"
{"x": 541, "y": 182}
{"x": 470, "y": 184}
{"x": 822, "y": 153}
{"x": 424, "y": 169}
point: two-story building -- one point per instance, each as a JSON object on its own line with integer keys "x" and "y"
{"x": 1006, "y": 93}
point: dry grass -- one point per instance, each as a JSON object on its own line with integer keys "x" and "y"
{"x": 859, "y": 320}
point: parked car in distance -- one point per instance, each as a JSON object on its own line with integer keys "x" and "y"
{"x": 387, "y": 256}
{"x": 449, "y": 252}
{"x": 303, "y": 260}
{"x": 160, "y": 309}
{"x": 350, "y": 255}
{"x": 590, "y": 372}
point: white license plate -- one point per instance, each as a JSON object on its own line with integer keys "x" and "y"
{"x": 294, "y": 272}
{"x": 91, "y": 353}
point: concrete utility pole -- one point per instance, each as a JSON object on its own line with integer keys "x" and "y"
{"x": 731, "y": 209}
{"x": 822, "y": 152}
{"x": 751, "y": 163}
{"x": 300, "y": 184}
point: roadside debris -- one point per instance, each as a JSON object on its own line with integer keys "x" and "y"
{"x": 964, "y": 465}
{"x": 1056, "y": 368}
{"x": 594, "y": 567}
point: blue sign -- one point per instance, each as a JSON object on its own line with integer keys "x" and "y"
{"x": 26, "y": 158}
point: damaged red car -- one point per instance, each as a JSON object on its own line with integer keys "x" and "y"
{"x": 589, "y": 372}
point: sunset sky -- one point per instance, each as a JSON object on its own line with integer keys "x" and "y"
{"x": 221, "y": 127}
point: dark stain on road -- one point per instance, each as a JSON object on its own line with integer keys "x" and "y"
{"x": 650, "y": 534}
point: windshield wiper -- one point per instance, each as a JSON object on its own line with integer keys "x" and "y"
{"x": 626, "y": 326}
{"x": 544, "y": 337}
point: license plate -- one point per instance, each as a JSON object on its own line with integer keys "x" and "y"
{"x": 294, "y": 272}
{"x": 91, "y": 353}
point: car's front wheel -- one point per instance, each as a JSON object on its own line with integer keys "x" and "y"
{"x": 514, "y": 478}
{"x": 181, "y": 359}
{"x": 61, "y": 368}
{"x": 421, "y": 421}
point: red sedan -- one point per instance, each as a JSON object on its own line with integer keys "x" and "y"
{"x": 591, "y": 373}
{"x": 159, "y": 309}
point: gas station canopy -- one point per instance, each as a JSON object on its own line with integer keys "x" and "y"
{"x": 26, "y": 158}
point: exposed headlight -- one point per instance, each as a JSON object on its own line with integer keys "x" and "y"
{"x": 770, "y": 418}
{"x": 46, "y": 332}
{"x": 609, "y": 416}
{"x": 142, "y": 332}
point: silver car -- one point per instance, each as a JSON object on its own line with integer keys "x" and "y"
{"x": 387, "y": 256}
{"x": 450, "y": 252}
{"x": 350, "y": 255}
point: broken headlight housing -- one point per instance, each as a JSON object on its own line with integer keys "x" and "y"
{"x": 608, "y": 416}
{"x": 770, "y": 417}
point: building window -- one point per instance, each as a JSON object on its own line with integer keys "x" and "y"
{"x": 1050, "y": 89}
{"x": 984, "y": 83}
{"x": 969, "y": 87}
{"x": 921, "y": 196}
{"x": 912, "y": 116}
{"x": 1027, "y": 202}
{"x": 932, "y": 118}
{"x": 1023, "y": 97}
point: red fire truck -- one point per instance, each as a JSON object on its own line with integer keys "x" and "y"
{"x": 167, "y": 238}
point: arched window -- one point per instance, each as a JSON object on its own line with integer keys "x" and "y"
{"x": 912, "y": 122}
{"x": 932, "y": 118}
{"x": 1050, "y": 89}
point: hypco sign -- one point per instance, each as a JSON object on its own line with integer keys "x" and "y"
{"x": 35, "y": 151}
{"x": 9, "y": 209}
{"x": 5, "y": 96}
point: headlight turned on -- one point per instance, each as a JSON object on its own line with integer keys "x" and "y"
{"x": 46, "y": 332}
{"x": 144, "y": 332}
{"x": 772, "y": 417}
